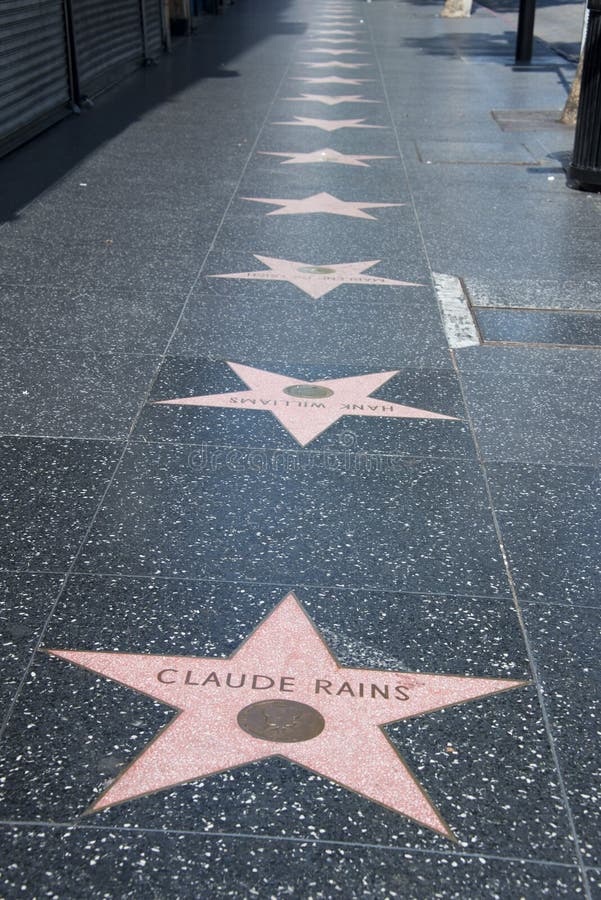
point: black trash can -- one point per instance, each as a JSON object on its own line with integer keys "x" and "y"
{"x": 585, "y": 168}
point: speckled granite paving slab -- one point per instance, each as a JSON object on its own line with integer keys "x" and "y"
{"x": 565, "y": 642}
{"x": 465, "y": 756}
{"x": 238, "y": 326}
{"x": 50, "y": 493}
{"x": 534, "y": 405}
{"x": 77, "y": 863}
{"x": 225, "y": 513}
{"x": 549, "y": 519}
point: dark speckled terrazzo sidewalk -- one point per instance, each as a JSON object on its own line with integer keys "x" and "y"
{"x": 433, "y": 539}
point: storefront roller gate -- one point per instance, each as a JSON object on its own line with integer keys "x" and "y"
{"x": 56, "y": 53}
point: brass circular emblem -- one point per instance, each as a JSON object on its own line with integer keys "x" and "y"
{"x": 309, "y": 391}
{"x": 284, "y": 721}
{"x": 316, "y": 270}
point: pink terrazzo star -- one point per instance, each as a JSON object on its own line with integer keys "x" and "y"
{"x": 328, "y": 100}
{"x": 344, "y": 31}
{"x": 334, "y": 64}
{"x": 331, "y": 40}
{"x": 331, "y": 79}
{"x": 326, "y": 155}
{"x": 320, "y": 203}
{"x": 330, "y": 52}
{"x": 316, "y": 281}
{"x": 308, "y": 408}
{"x": 329, "y": 124}
{"x": 285, "y": 659}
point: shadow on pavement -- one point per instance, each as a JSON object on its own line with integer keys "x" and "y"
{"x": 34, "y": 167}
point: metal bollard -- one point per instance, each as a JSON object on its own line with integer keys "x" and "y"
{"x": 525, "y": 35}
{"x": 585, "y": 168}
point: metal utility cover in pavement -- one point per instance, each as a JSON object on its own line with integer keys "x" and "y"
{"x": 529, "y": 119}
{"x": 477, "y": 152}
{"x": 521, "y": 326}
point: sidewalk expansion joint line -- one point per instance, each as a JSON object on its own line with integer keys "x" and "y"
{"x": 304, "y": 452}
{"x": 132, "y": 830}
{"x": 541, "y": 345}
{"x": 287, "y": 585}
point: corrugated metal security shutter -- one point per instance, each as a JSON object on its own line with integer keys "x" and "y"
{"x": 34, "y": 82}
{"x": 153, "y": 27}
{"x": 108, "y": 41}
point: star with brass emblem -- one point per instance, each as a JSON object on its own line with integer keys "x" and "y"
{"x": 316, "y": 281}
{"x": 329, "y": 124}
{"x": 330, "y": 79}
{"x": 331, "y": 40}
{"x": 328, "y": 100}
{"x": 325, "y": 155}
{"x": 351, "y": 34}
{"x": 335, "y": 64}
{"x": 282, "y": 693}
{"x": 340, "y": 52}
{"x": 308, "y": 408}
{"x": 320, "y": 203}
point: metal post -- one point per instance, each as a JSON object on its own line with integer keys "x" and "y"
{"x": 166, "y": 19}
{"x": 523, "y": 48}
{"x": 585, "y": 169}
{"x": 144, "y": 30}
{"x": 71, "y": 57}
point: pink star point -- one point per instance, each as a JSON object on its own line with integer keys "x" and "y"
{"x": 335, "y": 64}
{"x": 328, "y": 100}
{"x": 331, "y": 40}
{"x": 295, "y": 664}
{"x": 308, "y": 408}
{"x": 320, "y": 203}
{"x": 330, "y": 79}
{"x": 316, "y": 280}
{"x": 325, "y": 155}
{"x": 330, "y": 52}
{"x": 329, "y": 124}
